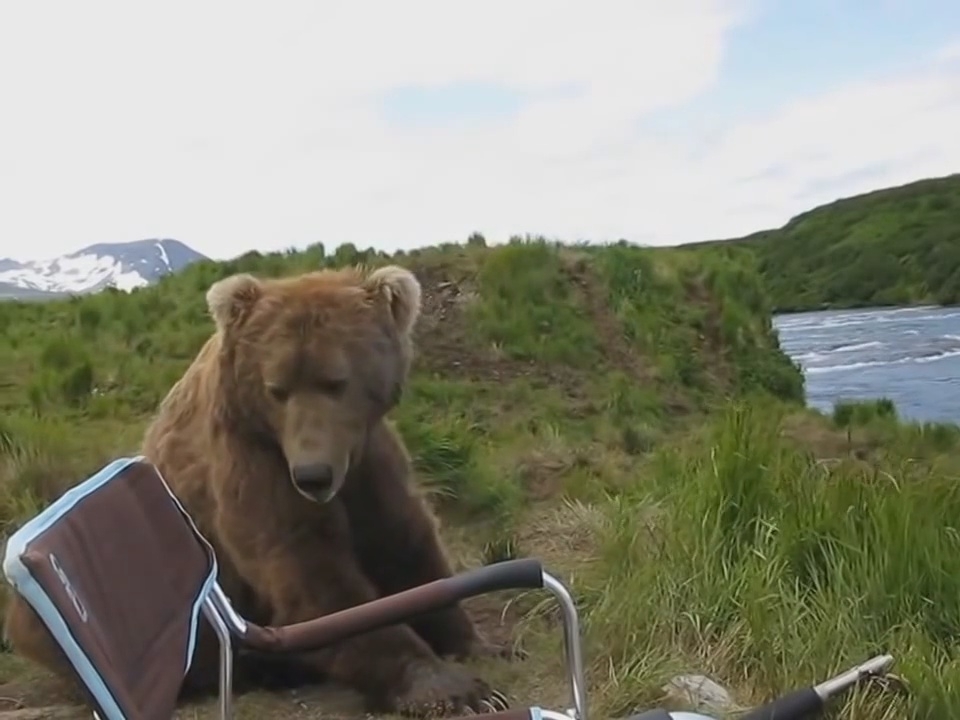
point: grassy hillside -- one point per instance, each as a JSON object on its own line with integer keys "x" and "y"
{"x": 897, "y": 246}
{"x": 624, "y": 414}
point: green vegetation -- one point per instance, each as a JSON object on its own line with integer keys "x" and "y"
{"x": 897, "y": 246}
{"x": 625, "y": 414}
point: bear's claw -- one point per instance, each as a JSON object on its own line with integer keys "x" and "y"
{"x": 497, "y": 703}
{"x": 442, "y": 688}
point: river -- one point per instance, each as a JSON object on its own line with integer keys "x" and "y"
{"x": 910, "y": 355}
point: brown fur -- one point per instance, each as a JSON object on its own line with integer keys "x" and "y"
{"x": 301, "y": 371}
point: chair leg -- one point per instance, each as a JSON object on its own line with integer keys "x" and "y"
{"x": 226, "y": 657}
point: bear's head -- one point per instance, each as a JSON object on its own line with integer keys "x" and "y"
{"x": 309, "y": 363}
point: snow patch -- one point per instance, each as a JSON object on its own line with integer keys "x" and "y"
{"x": 163, "y": 255}
{"x": 124, "y": 266}
{"x": 73, "y": 274}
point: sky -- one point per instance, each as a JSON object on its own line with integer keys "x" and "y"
{"x": 234, "y": 126}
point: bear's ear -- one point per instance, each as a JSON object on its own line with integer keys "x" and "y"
{"x": 401, "y": 289}
{"x": 229, "y": 300}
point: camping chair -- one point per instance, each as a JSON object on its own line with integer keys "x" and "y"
{"x": 119, "y": 574}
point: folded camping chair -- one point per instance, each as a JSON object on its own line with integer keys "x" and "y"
{"x": 119, "y": 574}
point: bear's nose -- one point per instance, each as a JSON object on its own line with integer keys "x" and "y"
{"x": 313, "y": 477}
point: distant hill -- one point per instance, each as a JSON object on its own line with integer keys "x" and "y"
{"x": 896, "y": 246}
{"x": 121, "y": 265}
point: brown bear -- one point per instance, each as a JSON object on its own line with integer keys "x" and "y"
{"x": 275, "y": 440}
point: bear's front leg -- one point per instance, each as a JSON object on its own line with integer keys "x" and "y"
{"x": 30, "y": 638}
{"x": 304, "y": 567}
{"x": 397, "y": 541}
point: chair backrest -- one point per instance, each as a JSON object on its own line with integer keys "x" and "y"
{"x": 117, "y": 571}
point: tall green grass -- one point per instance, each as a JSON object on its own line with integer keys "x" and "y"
{"x": 753, "y": 562}
{"x": 529, "y": 308}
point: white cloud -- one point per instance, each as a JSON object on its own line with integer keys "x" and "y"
{"x": 814, "y": 150}
{"x": 232, "y": 126}
{"x": 949, "y": 52}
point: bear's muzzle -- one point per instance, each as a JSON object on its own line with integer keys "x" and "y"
{"x": 314, "y": 481}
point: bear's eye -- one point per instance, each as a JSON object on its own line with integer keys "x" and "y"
{"x": 332, "y": 387}
{"x": 278, "y": 393}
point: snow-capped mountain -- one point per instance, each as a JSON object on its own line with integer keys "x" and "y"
{"x": 121, "y": 265}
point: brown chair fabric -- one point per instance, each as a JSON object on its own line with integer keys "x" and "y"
{"x": 126, "y": 571}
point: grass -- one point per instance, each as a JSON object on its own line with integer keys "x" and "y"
{"x": 626, "y": 415}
